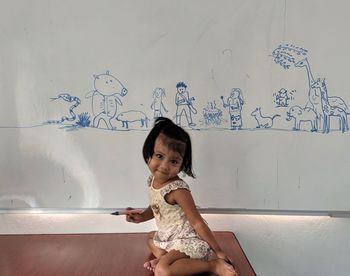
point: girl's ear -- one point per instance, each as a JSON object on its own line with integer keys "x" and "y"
{"x": 148, "y": 160}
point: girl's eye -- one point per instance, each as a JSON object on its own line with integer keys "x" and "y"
{"x": 159, "y": 156}
{"x": 174, "y": 162}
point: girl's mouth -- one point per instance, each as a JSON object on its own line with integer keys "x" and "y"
{"x": 162, "y": 172}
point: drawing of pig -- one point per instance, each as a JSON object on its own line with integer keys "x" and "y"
{"x": 133, "y": 116}
{"x": 105, "y": 98}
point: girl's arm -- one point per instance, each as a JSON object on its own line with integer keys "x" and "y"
{"x": 137, "y": 216}
{"x": 184, "y": 199}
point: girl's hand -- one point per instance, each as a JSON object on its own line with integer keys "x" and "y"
{"x": 133, "y": 215}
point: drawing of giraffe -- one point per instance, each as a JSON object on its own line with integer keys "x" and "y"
{"x": 330, "y": 110}
{"x": 314, "y": 95}
{"x": 333, "y": 100}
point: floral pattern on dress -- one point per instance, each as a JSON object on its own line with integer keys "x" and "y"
{"x": 174, "y": 230}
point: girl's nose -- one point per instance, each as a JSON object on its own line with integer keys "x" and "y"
{"x": 164, "y": 166}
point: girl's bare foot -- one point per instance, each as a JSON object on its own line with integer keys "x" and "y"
{"x": 222, "y": 268}
{"x": 151, "y": 265}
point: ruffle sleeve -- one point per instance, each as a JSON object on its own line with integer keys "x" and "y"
{"x": 177, "y": 184}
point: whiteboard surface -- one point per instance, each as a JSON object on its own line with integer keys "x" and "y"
{"x": 54, "y": 56}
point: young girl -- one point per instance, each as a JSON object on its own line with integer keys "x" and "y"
{"x": 183, "y": 243}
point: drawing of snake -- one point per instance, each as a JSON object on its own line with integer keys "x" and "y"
{"x": 67, "y": 98}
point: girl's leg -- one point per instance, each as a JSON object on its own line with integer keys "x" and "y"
{"x": 156, "y": 251}
{"x": 176, "y": 263}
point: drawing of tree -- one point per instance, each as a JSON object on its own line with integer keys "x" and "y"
{"x": 288, "y": 54}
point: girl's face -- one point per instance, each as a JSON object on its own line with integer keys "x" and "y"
{"x": 165, "y": 163}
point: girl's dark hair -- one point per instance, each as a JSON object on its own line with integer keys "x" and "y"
{"x": 179, "y": 138}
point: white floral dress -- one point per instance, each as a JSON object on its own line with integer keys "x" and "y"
{"x": 174, "y": 230}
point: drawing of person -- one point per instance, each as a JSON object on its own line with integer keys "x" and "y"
{"x": 157, "y": 104}
{"x": 184, "y": 105}
{"x": 234, "y": 103}
{"x": 282, "y": 98}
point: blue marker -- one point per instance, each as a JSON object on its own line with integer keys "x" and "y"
{"x": 116, "y": 213}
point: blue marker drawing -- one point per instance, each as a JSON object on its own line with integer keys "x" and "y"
{"x": 83, "y": 120}
{"x": 263, "y": 121}
{"x": 157, "y": 105}
{"x": 234, "y": 103}
{"x": 212, "y": 115}
{"x": 333, "y": 100}
{"x": 282, "y": 97}
{"x": 184, "y": 105}
{"x": 335, "y": 110}
{"x": 133, "y": 116}
{"x": 314, "y": 116}
{"x": 318, "y": 100}
{"x": 105, "y": 98}
{"x": 68, "y": 98}
{"x": 314, "y": 96}
{"x": 286, "y": 55}
{"x": 300, "y": 115}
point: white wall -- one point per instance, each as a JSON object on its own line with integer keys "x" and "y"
{"x": 275, "y": 245}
